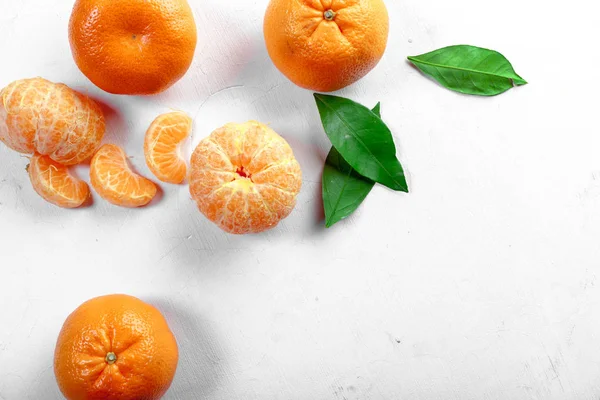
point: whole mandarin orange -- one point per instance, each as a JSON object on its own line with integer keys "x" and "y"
{"x": 38, "y": 116}
{"x": 115, "y": 348}
{"x": 136, "y": 47}
{"x": 326, "y": 45}
{"x": 245, "y": 178}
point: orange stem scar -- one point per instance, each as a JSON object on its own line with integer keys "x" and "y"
{"x": 111, "y": 358}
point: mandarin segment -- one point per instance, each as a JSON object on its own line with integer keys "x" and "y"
{"x": 325, "y": 45}
{"x": 245, "y": 178}
{"x": 112, "y": 178}
{"x": 53, "y": 182}
{"x": 162, "y": 146}
{"x": 38, "y": 116}
{"x": 115, "y": 348}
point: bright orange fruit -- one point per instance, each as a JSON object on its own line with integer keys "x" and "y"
{"x": 133, "y": 46}
{"x": 38, "y": 116}
{"x": 245, "y": 178}
{"x": 161, "y": 146}
{"x": 115, "y": 348}
{"x": 325, "y": 45}
{"x": 114, "y": 181}
{"x": 55, "y": 184}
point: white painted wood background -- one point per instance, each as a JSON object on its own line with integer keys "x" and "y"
{"x": 480, "y": 284}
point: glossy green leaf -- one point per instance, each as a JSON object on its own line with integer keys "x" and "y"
{"x": 344, "y": 189}
{"x": 363, "y": 140}
{"x": 469, "y": 69}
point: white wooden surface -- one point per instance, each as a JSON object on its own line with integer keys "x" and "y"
{"x": 480, "y": 284}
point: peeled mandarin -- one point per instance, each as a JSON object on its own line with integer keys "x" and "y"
{"x": 245, "y": 178}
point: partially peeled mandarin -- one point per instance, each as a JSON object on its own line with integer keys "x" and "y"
{"x": 38, "y": 116}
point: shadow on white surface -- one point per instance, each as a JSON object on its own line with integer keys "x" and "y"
{"x": 220, "y": 59}
{"x": 160, "y": 194}
{"x": 43, "y": 385}
{"x": 116, "y": 127}
{"x": 201, "y": 357}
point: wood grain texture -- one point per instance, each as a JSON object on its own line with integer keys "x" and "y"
{"x": 479, "y": 285}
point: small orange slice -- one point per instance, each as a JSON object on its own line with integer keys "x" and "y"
{"x": 115, "y": 182}
{"x": 55, "y": 184}
{"x": 162, "y": 143}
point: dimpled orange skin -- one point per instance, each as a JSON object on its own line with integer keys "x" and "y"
{"x": 133, "y": 46}
{"x": 245, "y": 178}
{"x": 326, "y": 45}
{"x": 112, "y": 178}
{"x": 161, "y": 146}
{"x": 38, "y": 116}
{"x": 53, "y": 182}
{"x": 115, "y": 348}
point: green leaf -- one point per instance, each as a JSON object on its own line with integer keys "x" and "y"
{"x": 363, "y": 140}
{"x": 377, "y": 110}
{"x": 469, "y": 69}
{"x": 344, "y": 189}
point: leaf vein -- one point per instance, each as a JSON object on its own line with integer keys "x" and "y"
{"x": 435, "y": 65}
